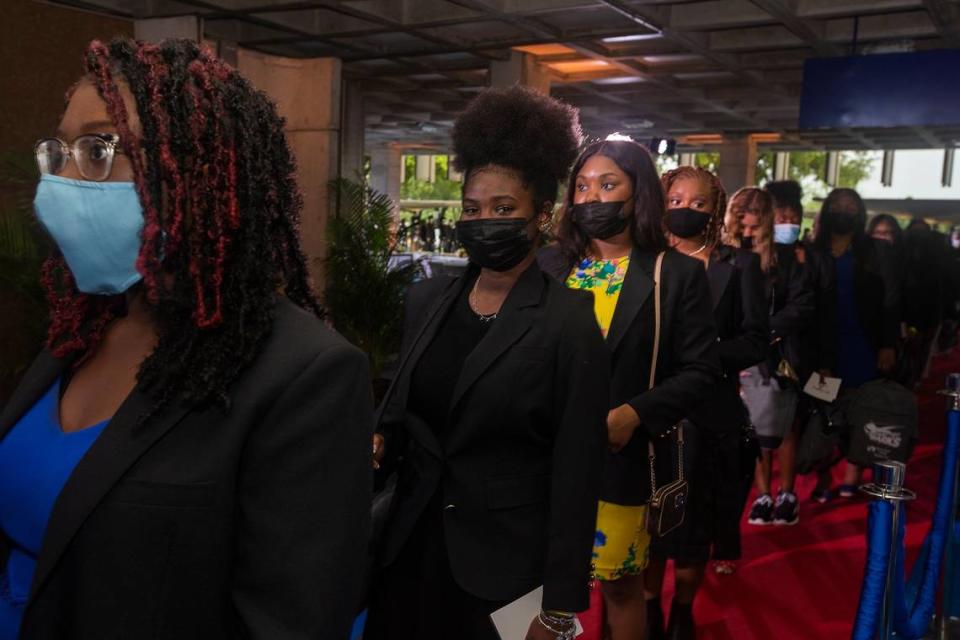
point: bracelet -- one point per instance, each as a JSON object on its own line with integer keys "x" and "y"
{"x": 567, "y": 631}
{"x": 558, "y": 614}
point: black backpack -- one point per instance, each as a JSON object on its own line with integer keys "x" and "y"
{"x": 883, "y": 421}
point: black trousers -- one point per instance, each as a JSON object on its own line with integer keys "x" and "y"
{"x": 417, "y": 597}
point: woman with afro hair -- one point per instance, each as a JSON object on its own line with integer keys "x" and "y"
{"x": 611, "y": 242}
{"x": 189, "y": 457}
{"x": 497, "y": 410}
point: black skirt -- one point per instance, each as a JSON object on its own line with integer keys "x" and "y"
{"x": 417, "y": 597}
{"x": 718, "y": 493}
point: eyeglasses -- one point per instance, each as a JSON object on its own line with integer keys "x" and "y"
{"x": 93, "y": 154}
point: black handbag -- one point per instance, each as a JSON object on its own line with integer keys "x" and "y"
{"x": 668, "y": 504}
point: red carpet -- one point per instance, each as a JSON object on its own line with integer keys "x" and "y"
{"x": 803, "y": 582}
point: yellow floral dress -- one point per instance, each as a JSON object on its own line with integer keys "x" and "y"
{"x": 621, "y": 544}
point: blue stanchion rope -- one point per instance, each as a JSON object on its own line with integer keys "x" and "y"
{"x": 879, "y": 525}
{"x": 914, "y": 606}
{"x": 912, "y": 617}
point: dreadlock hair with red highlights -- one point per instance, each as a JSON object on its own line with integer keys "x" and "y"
{"x": 215, "y": 178}
{"x": 717, "y": 193}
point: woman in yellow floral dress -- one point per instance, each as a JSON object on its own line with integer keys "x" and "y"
{"x": 609, "y": 238}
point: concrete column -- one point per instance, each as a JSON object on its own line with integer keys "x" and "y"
{"x": 156, "y": 29}
{"x": 307, "y": 94}
{"x": 385, "y": 170}
{"x": 354, "y": 128}
{"x": 426, "y": 169}
{"x": 738, "y": 162}
{"x": 520, "y": 68}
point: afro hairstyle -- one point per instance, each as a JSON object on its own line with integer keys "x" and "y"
{"x": 786, "y": 193}
{"x": 520, "y": 129}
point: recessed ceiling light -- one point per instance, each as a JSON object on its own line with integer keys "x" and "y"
{"x": 637, "y": 124}
{"x": 635, "y": 38}
{"x": 620, "y": 80}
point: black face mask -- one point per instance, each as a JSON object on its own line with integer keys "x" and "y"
{"x": 842, "y": 223}
{"x": 687, "y": 222}
{"x": 746, "y": 242}
{"x": 599, "y": 220}
{"x": 499, "y": 244}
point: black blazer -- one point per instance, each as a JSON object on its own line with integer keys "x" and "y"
{"x": 687, "y": 366}
{"x": 819, "y": 341}
{"x": 197, "y": 524}
{"x": 742, "y": 320}
{"x": 792, "y": 304}
{"x": 519, "y": 470}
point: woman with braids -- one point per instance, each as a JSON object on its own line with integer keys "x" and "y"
{"x": 498, "y": 406}
{"x": 720, "y": 472}
{"x": 610, "y": 238}
{"x": 189, "y": 457}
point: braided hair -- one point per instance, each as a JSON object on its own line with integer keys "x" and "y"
{"x": 215, "y": 178}
{"x": 714, "y": 229}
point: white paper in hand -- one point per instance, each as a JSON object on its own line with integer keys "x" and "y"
{"x": 513, "y": 620}
{"x": 825, "y": 389}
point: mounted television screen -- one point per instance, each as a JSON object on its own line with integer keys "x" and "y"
{"x": 916, "y": 89}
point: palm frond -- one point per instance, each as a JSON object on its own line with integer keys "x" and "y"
{"x": 364, "y": 291}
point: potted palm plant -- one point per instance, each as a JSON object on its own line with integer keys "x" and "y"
{"x": 23, "y": 247}
{"x": 365, "y": 282}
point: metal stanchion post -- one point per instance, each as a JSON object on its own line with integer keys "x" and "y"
{"x": 888, "y": 485}
{"x": 952, "y": 391}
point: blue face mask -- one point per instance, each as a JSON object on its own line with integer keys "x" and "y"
{"x": 97, "y": 226}
{"x": 786, "y": 233}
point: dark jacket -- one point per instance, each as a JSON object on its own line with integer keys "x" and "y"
{"x": 741, "y": 315}
{"x": 519, "y": 467}
{"x": 877, "y": 290}
{"x": 687, "y": 365}
{"x": 819, "y": 340}
{"x": 877, "y": 287}
{"x": 792, "y": 304}
{"x": 201, "y": 524}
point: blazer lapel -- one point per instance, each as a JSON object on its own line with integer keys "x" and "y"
{"x": 514, "y": 320}
{"x": 400, "y": 386}
{"x": 34, "y": 384}
{"x": 637, "y": 286}
{"x": 718, "y": 274}
{"x": 122, "y": 442}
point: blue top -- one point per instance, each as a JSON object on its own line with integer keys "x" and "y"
{"x": 856, "y": 357}
{"x": 36, "y": 459}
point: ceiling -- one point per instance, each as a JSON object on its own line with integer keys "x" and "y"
{"x": 683, "y": 69}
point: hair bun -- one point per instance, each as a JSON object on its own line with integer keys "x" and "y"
{"x": 518, "y": 128}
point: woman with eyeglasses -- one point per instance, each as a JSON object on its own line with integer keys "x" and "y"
{"x": 497, "y": 411}
{"x": 189, "y": 456}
